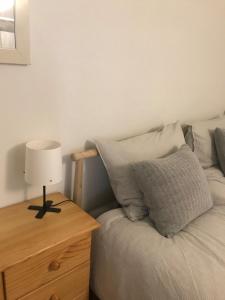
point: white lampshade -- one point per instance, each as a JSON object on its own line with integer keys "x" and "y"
{"x": 43, "y": 164}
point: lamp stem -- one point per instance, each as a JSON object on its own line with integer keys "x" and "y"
{"x": 44, "y": 196}
{"x": 47, "y": 206}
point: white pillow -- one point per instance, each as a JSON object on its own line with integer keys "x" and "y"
{"x": 200, "y": 137}
{"x": 118, "y": 155}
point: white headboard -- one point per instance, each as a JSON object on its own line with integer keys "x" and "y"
{"x": 92, "y": 190}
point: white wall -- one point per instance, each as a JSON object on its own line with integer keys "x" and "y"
{"x": 108, "y": 68}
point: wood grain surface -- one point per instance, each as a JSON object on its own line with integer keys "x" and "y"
{"x": 73, "y": 285}
{"x": 39, "y": 270}
{"x": 22, "y": 236}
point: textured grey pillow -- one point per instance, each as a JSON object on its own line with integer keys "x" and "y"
{"x": 118, "y": 155}
{"x": 219, "y": 136}
{"x": 175, "y": 190}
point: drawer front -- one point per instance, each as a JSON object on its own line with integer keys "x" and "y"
{"x": 83, "y": 296}
{"x": 36, "y": 271}
{"x": 71, "y": 286}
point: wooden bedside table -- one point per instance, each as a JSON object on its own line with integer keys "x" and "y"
{"x": 47, "y": 259}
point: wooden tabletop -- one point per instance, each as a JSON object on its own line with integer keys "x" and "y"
{"x": 23, "y": 236}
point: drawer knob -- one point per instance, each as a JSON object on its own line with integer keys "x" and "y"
{"x": 54, "y": 297}
{"x": 54, "y": 266}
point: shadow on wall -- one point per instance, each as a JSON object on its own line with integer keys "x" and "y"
{"x": 15, "y": 164}
{"x": 68, "y": 175}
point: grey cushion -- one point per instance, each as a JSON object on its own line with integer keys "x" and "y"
{"x": 219, "y": 136}
{"x": 200, "y": 138}
{"x": 175, "y": 190}
{"x": 118, "y": 155}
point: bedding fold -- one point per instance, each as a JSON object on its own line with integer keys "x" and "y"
{"x": 133, "y": 261}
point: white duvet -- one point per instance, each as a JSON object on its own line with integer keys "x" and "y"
{"x": 132, "y": 261}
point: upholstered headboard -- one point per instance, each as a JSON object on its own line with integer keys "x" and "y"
{"x": 92, "y": 190}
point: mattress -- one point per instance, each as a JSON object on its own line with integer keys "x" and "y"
{"x": 132, "y": 261}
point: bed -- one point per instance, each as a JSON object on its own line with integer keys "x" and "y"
{"x": 131, "y": 260}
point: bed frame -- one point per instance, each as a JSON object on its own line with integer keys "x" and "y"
{"x": 79, "y": 158}
{"x": 92, "y": 191}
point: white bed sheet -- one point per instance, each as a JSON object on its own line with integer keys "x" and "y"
{"x": 132, "y": 261}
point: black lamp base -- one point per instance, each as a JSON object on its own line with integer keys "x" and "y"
{"x": 47, "y": 207}
{"x": 44, "y": 209}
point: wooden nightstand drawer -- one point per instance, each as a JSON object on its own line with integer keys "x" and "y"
{"x": 45, "y": 258}
{"x": 83, "y": 296}
{"x": 44, "y": 267}
{"x": 72, "y": 286}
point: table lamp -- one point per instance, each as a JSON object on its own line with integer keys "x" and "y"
{"x": 43, "y": 166}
